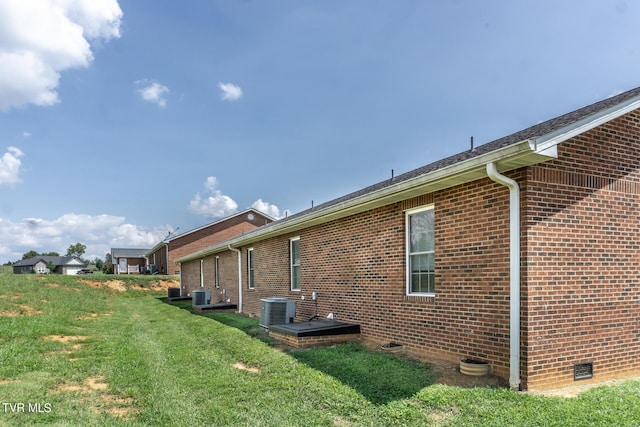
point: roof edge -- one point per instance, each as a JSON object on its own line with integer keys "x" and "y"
{"x": 587, "y": 123}
{"x": 186, "y": 233}
{"x": 384, "y": 195}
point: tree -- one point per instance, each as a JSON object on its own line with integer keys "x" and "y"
{"x": 76, "y": 250}
{"x": 30, "y": 254}
{"x": 98, "y": 263}
{"x": 107, "y": 268}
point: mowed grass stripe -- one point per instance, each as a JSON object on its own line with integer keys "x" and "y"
{"x": 182, "y": 368}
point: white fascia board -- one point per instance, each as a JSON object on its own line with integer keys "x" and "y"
{"x": 586, "y": 124}
{"x": 474, "y": 168}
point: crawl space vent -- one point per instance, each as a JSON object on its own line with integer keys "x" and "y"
{"x": 583, "y": 371}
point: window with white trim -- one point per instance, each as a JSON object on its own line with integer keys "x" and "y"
{"x": 420, "y": 251}
{"x": 294, "y": 251}
{"x": 202, "y": 273}
{"x": 217, "y": 273}
{"x": 250, "y": 279}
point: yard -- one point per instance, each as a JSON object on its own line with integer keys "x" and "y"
{"x": 96, "y": 351}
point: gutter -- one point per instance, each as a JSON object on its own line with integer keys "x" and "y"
{"x": 514, "y": 274}
{"x": 521, "y": 154}
{"x": 239, "y": 276}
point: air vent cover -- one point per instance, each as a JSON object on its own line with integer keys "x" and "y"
{"x": 583, "y": 371}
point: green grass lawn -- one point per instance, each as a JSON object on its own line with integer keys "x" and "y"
{"x": 76, "y": 355}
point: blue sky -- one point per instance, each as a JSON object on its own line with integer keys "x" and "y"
{"x": 121, "y": 120}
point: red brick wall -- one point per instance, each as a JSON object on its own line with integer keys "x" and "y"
{"x": 228, "y": 264}
{"x": 357, "y": 267}
{"x": 159, "y": 258}
{"x": 207, "y": 236}
{"x": 582, "y": 264}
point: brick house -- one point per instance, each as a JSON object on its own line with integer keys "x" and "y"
{"x": 128, "y": 260}
{"x": 164, "y": 254}
{"x": 43, "y": 264}
{"x": 523, "y": 252}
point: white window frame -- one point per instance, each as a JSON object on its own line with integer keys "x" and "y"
{"x": 409, "y": 254}
{"x": 250, "y": 269}
{"x": 293, "y": 266}
{"x": 202, "y": 273}
{"x": 217, "y": 273}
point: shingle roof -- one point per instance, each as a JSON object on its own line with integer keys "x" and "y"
{"x": 532, "y": 133}
{"x": 55, "y": 260}
{"x": 128, "y": 253}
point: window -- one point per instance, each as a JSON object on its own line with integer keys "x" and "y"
{"x": 250, "y": 281}
{"x": 420, "y": 252}
{"x": 217, "y": 277}
{"x": 202, "y": 273}
{"x": 294, "y": 245}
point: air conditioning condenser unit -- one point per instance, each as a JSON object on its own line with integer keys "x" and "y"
{"x": 276, "y": 311}
{"x": 200, "y": 298}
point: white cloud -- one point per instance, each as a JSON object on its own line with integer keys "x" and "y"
{"x": 41, "y": 38}
{"x": 153, "y": 92}
{"x": 230, "y": 92}
{"x": 270, "y": 209}
{"x": 10, "y": 166}
{"x": 99, "y": 233}
{"x": 26, "y": 134}
{"x": 216, "y": 204}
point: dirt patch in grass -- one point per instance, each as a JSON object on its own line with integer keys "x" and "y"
{"x": 243, "y": 367}
{"x": 158, "y": 285}
{"x": 163, "y": 285}
{"x": 103, "y": 403}
{"x": 28, "y": 310}
{"x": 96, "y": 383}
{"x": 65, "y": 338}
{"x": 9, "y": 313}
{"x": 90, "y": 316}
{"x": 114, "y": 285}
{"x": 120, "y": 407}
{"x": 24, "y": 310}
{"x": 442, "y": 416}
{"x": 90, "y": 384}
{"x": 14, "y": 296}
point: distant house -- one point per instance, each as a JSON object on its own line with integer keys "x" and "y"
{"x": 164, "y": 254}
{"x": 128, "y": 261}
{"x": 69, "y": 265}
{"x": 523, "y": 253}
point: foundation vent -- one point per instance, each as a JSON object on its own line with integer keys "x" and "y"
{"x": 582, "y": 371}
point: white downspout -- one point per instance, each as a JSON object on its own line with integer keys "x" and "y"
{"x": 166, "y": 246}
{"x": 514, "y": 282}
{"x": 239, "y": 277}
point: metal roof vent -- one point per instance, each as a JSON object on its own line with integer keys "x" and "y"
{"x": 582, "y": 371}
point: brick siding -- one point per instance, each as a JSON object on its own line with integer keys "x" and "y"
{"x": 580, "y": 267}
{"x": 206, "y": 236}
{"x": 582, "y": 257}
